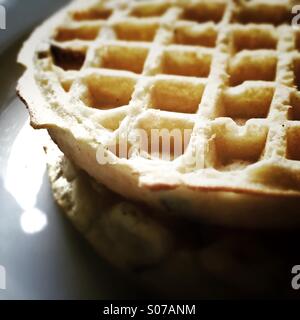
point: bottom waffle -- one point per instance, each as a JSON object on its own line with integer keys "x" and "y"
{"x": 171, "y": 256}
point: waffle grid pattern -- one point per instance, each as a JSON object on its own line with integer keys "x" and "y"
{"x": 229, "y": 71}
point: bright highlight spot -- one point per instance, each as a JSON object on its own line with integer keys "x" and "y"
{"x": 33, "y": 221}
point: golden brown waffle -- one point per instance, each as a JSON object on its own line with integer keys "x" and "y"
{"x": 226, "y": 74}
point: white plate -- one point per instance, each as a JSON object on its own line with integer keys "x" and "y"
{"x": 43, "y": 256}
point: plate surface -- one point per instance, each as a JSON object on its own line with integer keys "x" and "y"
{"x": 43, "y": 256}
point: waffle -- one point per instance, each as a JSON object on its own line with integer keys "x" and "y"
{"x": 171, "y": 257}
{"x": 223, "y": 74}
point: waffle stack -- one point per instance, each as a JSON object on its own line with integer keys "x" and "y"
{"x": 223, "y": 74}
{"x": 171, "y": 256}
{"x": 167, "y": 114}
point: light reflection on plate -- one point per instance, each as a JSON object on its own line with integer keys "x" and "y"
{"x": 24, "y": 176}
{"x": 33, "y": 221}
